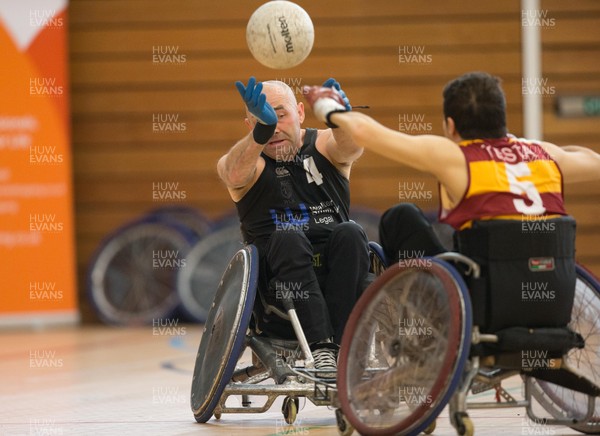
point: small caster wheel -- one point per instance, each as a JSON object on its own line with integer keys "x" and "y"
{"x": 290, "y": 409}
{"x": 469, "y": 427}
{"x": 217, "y": 413}
{"x": 430, "y": 428}
{"x": 464, "y": 425}
{"x": 344, "y": 427}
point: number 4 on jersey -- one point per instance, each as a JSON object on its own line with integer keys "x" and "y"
{"x": 312, "y": 172}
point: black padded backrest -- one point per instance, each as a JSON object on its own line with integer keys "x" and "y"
{"x": 528, "y": 271}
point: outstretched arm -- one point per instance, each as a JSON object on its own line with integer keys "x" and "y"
{"x": 435, "y": 155}
{"x": 242, "y": 165}
{"x": 577, "y": 164}
{"x": 239, "y": 167}
{"x": 338, "y": 145}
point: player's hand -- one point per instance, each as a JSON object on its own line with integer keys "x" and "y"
{"x": 324, "y": 102}
{"x": 256, "y": 101}
{"x": 332, "y": 83}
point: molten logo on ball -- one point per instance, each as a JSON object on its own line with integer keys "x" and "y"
{"x": 289, "y": 47}
{"x": 280, "y": 34}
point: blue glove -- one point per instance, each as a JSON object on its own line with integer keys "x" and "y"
{"x": 256, "y": 101}
{"x": 332, "y": 83}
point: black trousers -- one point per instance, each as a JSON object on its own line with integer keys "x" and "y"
{"x": 405, "y": 233}
{"x": 323, "y": 282}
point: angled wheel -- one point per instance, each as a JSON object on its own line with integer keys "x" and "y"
{"x": 377, "y": 258}
{"x": 404, "y": 349}
{"x": 223, "y": 337}
{"x": 197, "y": 284}
{"x": 132, "y": 276}
{"x": 561, "y": 402}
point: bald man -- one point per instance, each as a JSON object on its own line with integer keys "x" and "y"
{"x": 290, "y": 186}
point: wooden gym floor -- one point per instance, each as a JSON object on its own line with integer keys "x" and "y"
{"x": 136, "y": 381}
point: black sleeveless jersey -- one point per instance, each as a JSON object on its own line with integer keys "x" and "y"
{"x": 305, "y": 194}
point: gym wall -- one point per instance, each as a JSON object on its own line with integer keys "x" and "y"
{"x": 140, "y": 67}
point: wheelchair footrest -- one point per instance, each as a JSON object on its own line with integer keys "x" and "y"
{"x": 566, "y": 378}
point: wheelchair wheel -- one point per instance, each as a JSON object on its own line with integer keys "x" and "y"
{"x": 132, "y": 276}
{"x": 377, "y": 258}
{"x": 197, "y": 284}
{"x": 404, "y": 348}
{"x": 223, "y": 337}
{"x": 561, "y": 402}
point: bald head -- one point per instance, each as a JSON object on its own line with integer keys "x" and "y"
{"x": 281, "y": 88}
{"x": 279, "y": 96}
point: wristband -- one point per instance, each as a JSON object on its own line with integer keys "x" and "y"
{"x": 323, "y": 109}
{"x": 328, "y": 122}
{"x": 263, "y": 132}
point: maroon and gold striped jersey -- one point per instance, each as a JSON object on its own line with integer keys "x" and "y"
{"x": 508, "y": 178}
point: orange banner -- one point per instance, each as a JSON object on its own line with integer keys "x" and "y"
{"x": 37, "y": 261}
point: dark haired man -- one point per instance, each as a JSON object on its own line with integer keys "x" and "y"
{"x": 484, "y": 172}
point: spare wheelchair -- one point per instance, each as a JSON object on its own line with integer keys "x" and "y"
{"x": 419, "y": 338}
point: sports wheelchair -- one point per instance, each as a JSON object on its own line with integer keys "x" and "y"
{"x": 419, "y": 339}
{"x": 288, "y": 363}
{"x": 430, "y": 331}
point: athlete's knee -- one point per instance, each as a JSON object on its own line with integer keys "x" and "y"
{"x": 349, "y": 231}
{"x": 402, "y": 212}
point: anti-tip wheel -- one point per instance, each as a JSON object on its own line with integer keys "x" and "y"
{"x": 290, "y": 409}
{"x": 343, "y": 425}
{"x": 431, "y": 427}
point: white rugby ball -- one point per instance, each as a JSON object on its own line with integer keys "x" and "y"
{"x": 280, "y": 34}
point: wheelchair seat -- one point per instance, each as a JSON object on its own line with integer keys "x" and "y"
{"x": 527, "y": 272}
{"x": 524, "y": 295}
